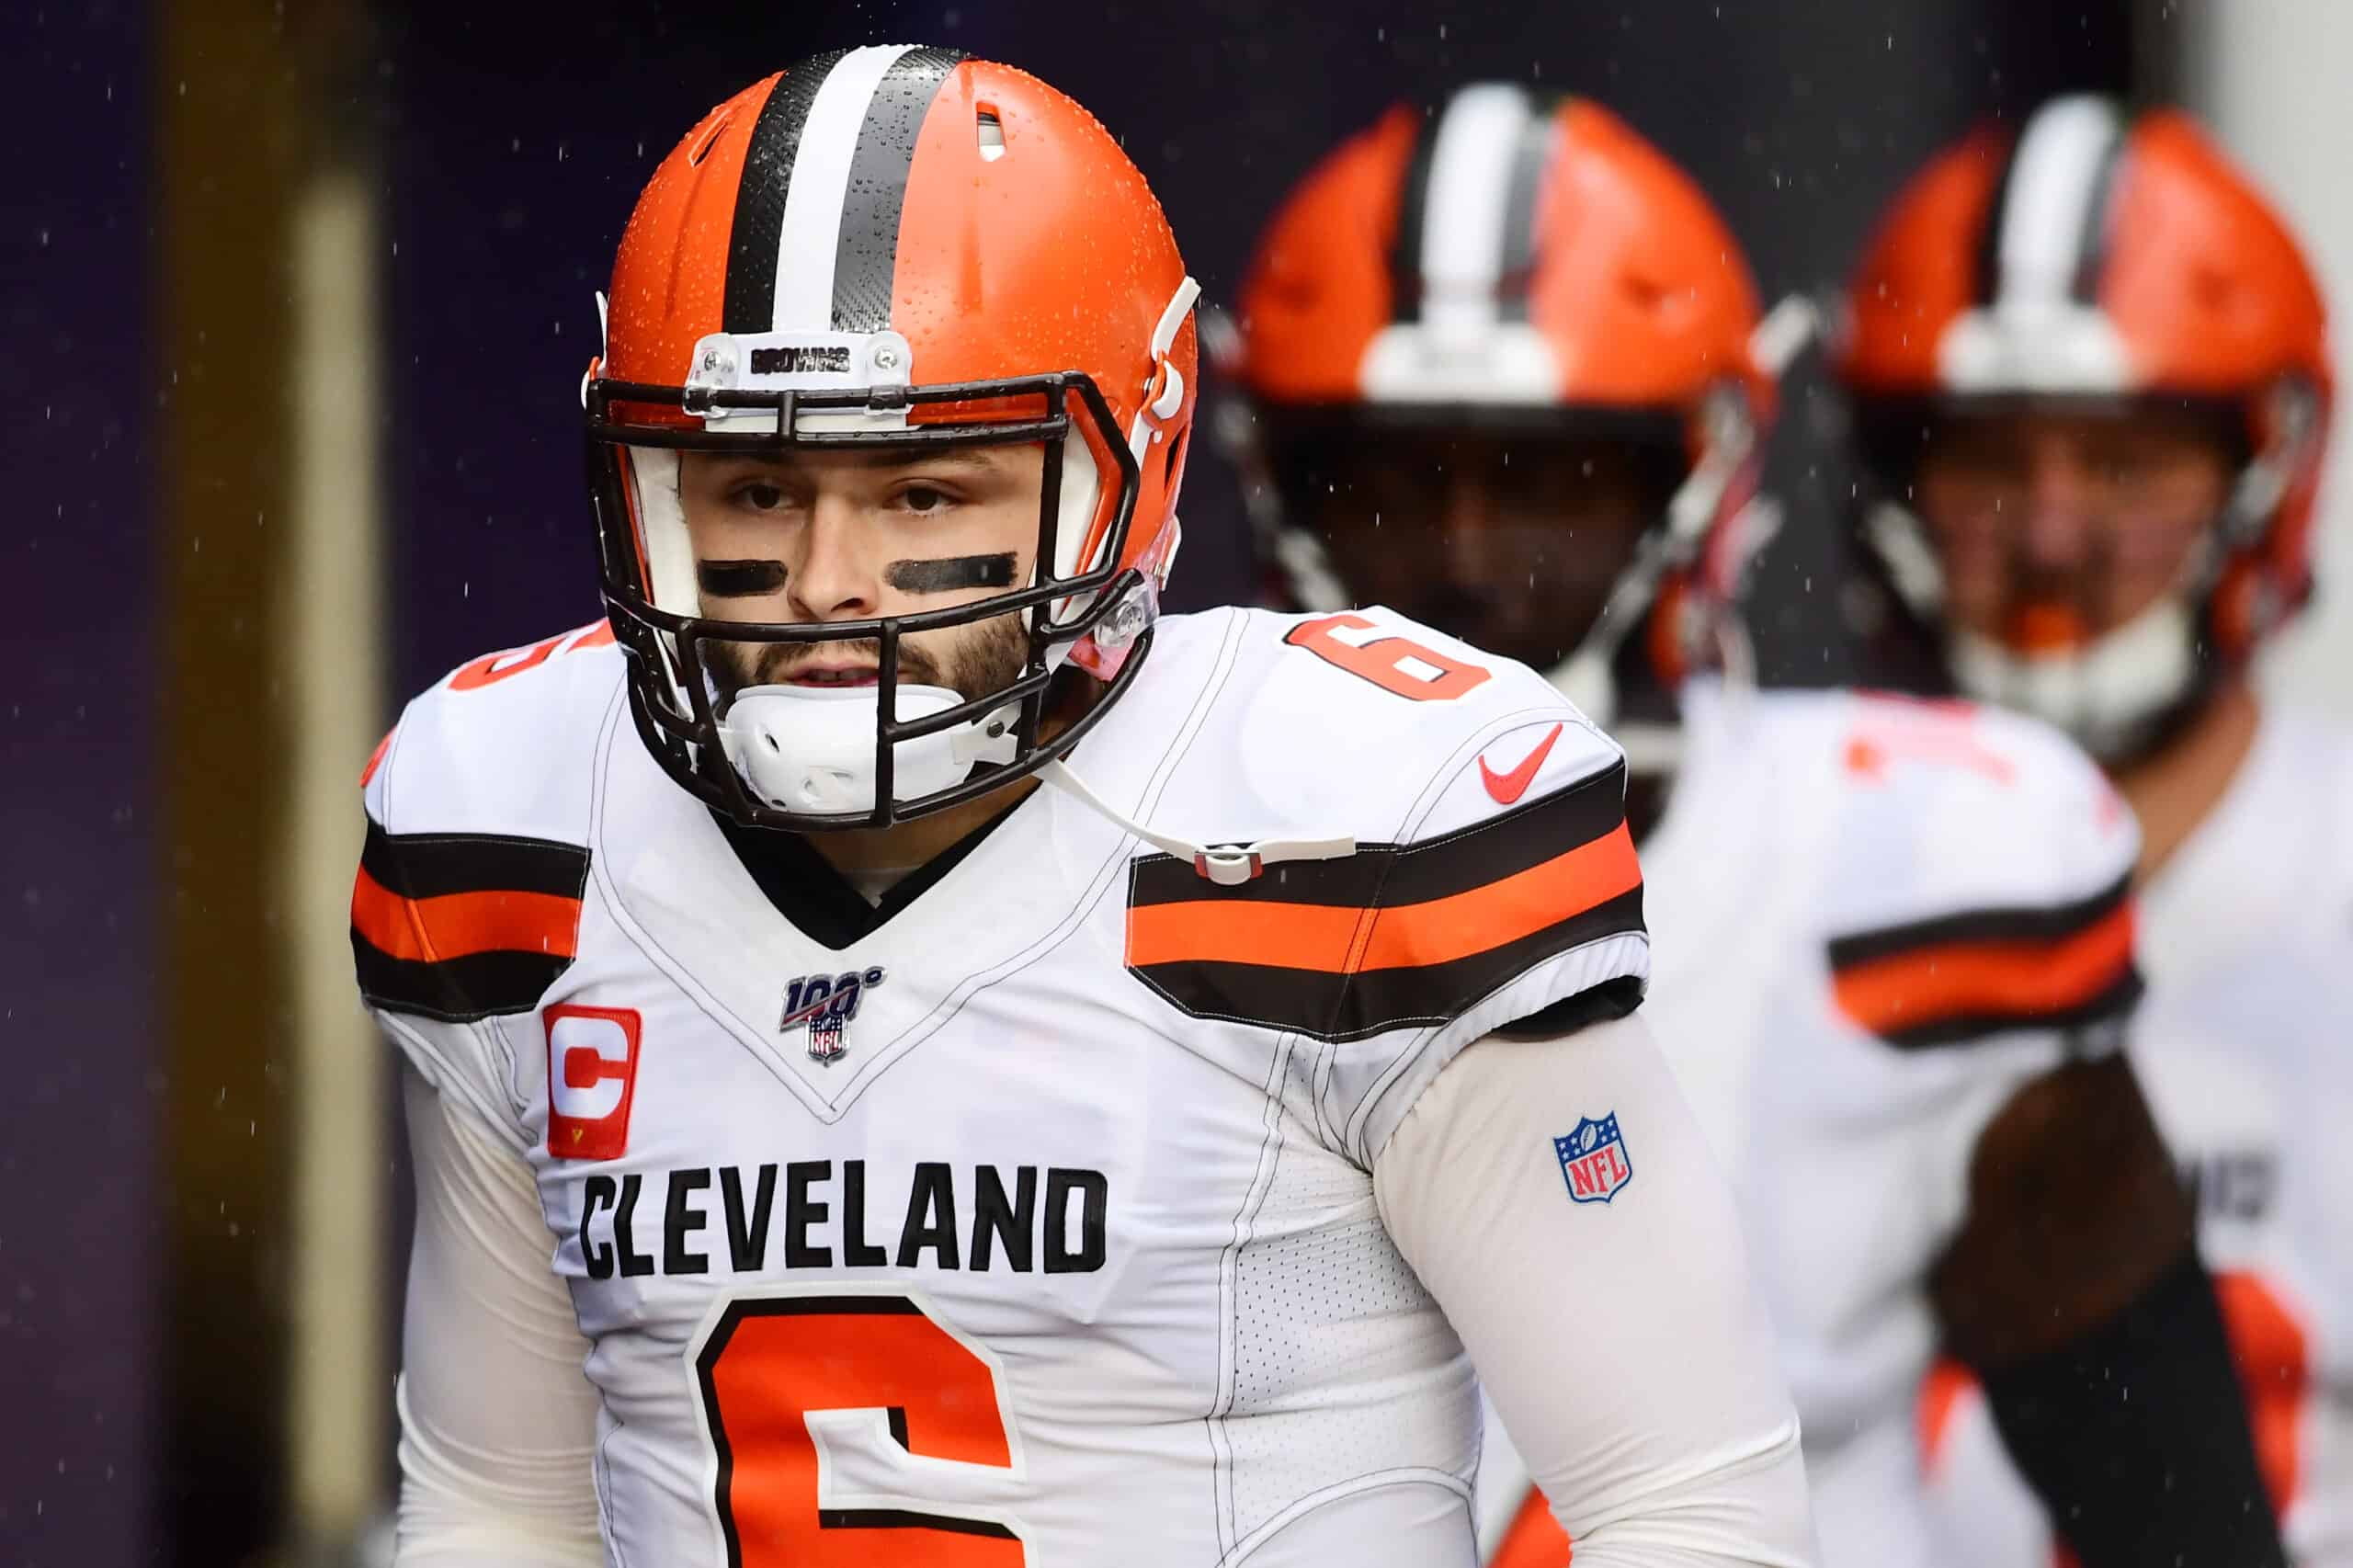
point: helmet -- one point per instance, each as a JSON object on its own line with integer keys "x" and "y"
{"x": 894, "y": 246}
{"x": 2096, "y": 261}
{"x": 1530, "y": 268}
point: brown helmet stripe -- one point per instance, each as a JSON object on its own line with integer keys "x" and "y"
{"x": 866, "y": 254}
{"x": 1530, "y": 156}
{"x": 1469, "y": 204}
{"x": 750, "y": 302}
{"x": 2059, "y": 173}
{"x": 1412, "y": 207}
{"x": 2091, "y": 244}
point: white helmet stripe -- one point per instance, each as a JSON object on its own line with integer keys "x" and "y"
{"x": 1468, "y": 205}
{"x": 820, "y": 187}
{"x": 2051, "y": 201}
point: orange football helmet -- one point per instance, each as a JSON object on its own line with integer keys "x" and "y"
{"x": 895, "y": 247}
{"x": 1530, "y": 268}
{"x": 2097, "y": 260}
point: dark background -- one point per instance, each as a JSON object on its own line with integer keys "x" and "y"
{"x": 142, "y": 1155}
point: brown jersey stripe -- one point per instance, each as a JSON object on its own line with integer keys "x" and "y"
{"x": 1486, "y": 851}
{"x": 2107, "y": 1007}
{"x": 458, "y": 925}
{"x": 1955, "y": 991}
{"x": 460, "y": 990}
{"x": 432, "y": 865}
{"x": 1332, "y": 1005}
{"x": 1395, "y": 935}
{"x": 2005, "y": 923}
{"x": 461, "y": 926}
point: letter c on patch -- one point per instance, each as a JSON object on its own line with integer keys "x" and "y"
{"x": 592, "y": 1080}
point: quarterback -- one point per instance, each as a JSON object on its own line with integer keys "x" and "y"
{"x": 2106, "y": 517}
{"x": 918, "y": 1059}
{"x": 1507, "y": 372}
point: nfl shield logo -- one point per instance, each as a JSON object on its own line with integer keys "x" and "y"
{"x": 825, "y": 1004}
{"x": 1594, "y": 1160}
{"x": 826, "y": 1039}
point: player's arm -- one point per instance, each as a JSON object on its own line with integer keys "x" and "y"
{"x": 2074, "y": 1290}
{"x": 498, "y": 1422}
{"x": 1619, "y": 1340}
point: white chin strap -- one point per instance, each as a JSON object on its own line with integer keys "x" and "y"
{"x": 812, "y": 748}
{"x": 2104, "y": 694}
{"x": 804, "y": 749}
{"x": 1226, "y": 864}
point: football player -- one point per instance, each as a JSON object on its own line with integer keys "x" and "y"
{"x": 1003, "y": 1077}
{"x": 2092, "y": 387}
{"x": 1506, "y": 370}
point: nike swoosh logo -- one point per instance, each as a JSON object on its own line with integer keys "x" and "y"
{"x": 1507, "y": 788}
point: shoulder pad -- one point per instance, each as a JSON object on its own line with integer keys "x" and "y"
{"x": 501, "y": 744}
{"x": 467, "y": 902}
{"x": 1489, "y": 818}
{"x": 1984, "y": 872}
{"x": 1371, "y": 724}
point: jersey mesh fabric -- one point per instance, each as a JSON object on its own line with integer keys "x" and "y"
{"x": 1322, "y": 1301}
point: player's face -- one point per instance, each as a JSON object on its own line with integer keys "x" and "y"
{"x": 2056, "y": 529}
{"x": 845, "y": 535}
{"x": 1511, "y": 544}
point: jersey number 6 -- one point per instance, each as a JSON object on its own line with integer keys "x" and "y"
{"x": 1392, "y": 664}
{"x": 769, "y": 1363}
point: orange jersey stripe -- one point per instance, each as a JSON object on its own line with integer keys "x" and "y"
{"x": 1942, "y": 1392}
{"x": 1906, "y": 990}
{"x": 1335, "y": 938}
{"x": 1535, "y": 1539}
{"x": 454, "y": 926}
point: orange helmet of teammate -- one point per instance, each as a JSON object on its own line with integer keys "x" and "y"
{"x": 1518, "y": 284}
{"x": 2095, "y": 263}
{"x": 895, "y": 247}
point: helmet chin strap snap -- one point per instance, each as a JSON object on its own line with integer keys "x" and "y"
{"x": 1226, "y": 864}
{"x": 811, "y": 749}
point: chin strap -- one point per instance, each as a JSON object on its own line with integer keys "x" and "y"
{"x": 1227, "y": 866}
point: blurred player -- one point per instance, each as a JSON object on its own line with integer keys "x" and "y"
{"x": 2089, "y": 372}
{"x": 942, "y": 1170}
{"x": 1504, "y": 365}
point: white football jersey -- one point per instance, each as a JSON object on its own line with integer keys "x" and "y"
{"x": 1875, "y": 918}
{"x": 1040, "y": 1216}
{"x": 2248, "y": 942}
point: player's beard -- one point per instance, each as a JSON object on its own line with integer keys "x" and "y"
{"x": 970, "y": 661}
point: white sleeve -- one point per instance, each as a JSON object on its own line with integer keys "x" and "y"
{"x": 1620, "y": 1339}
{"x": 498, "y": 1422}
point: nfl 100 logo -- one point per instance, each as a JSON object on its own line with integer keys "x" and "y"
{"x": 825, "y": 1004}
{"x": 1593, "y": 1161}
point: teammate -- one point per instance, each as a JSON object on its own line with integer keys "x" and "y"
{"x": 940, "y": 1169}
{"x": 1505, "y": 369}
{"x": 2089, "y": 369}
